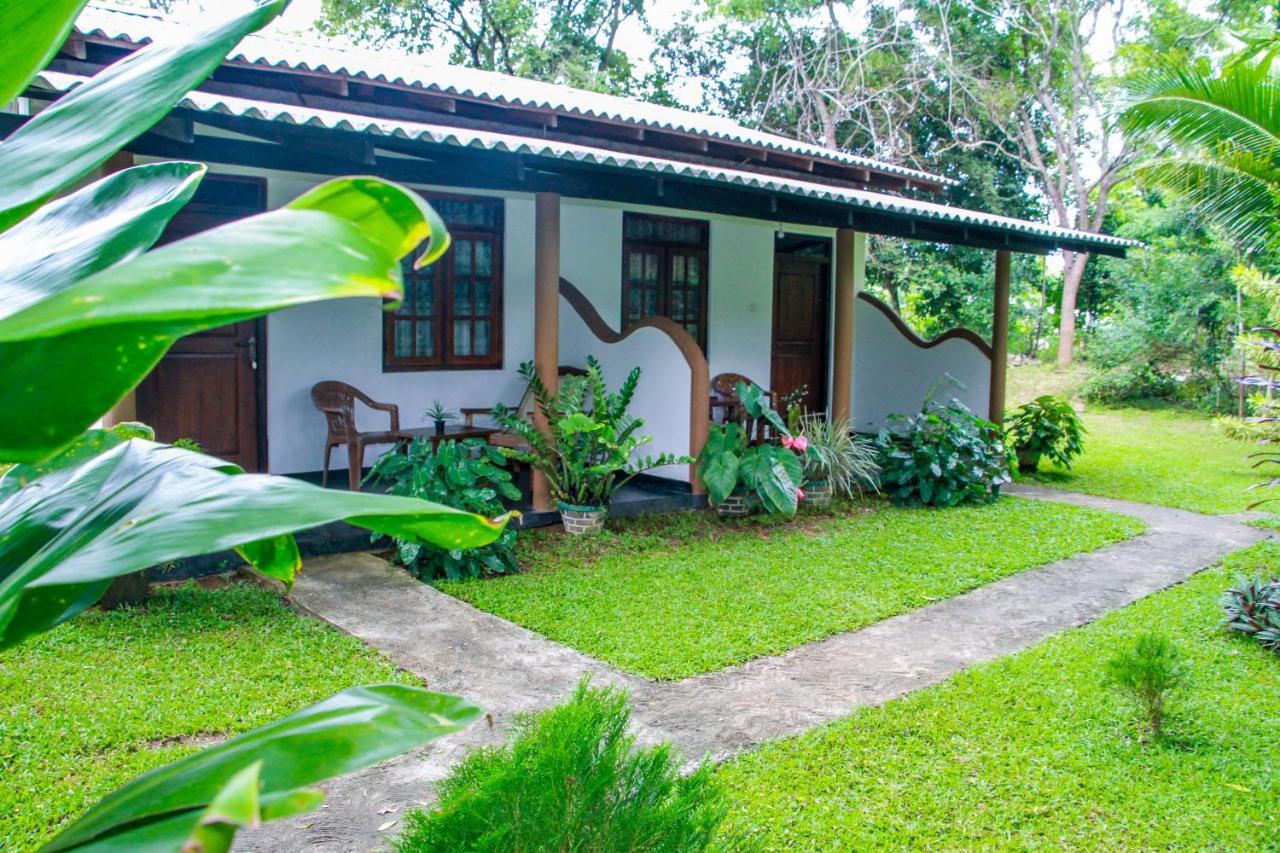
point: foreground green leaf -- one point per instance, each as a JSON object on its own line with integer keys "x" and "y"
{"x": 71, "y": 356}
{"x": 62, "y": 144}
{"x": 109, "y": 221}
{"x": 69, "y": 533}
{"x": 353, "y": 729}
{"x": 33, "y": 33}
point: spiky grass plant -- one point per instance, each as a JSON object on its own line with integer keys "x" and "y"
{"x": 849, "y": 462}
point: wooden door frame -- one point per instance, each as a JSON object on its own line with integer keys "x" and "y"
{"x": 824, "y": 266}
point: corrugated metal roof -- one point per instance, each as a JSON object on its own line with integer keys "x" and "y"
{"x": 137, "y": 26}
{"x": 428, "y": 134}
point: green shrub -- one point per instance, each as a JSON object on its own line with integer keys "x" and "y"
{"x": 468, "y": 475}
{"x": 1046, "y": 427}
{"x": 570, "y": 778}
{"x": 1246, "y": 430}
{"x": 942, "y": 457}
{"x": 731, "y": 462}
{"x": 1148, "y": 672}
{"x": 1127, "y": 384}
{"x": 594, "y": 444}
{"x": 1253, "y": 608}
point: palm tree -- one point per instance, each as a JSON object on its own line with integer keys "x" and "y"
{"x": 1220, "y": 140}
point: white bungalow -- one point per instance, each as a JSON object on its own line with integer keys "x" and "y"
{"x": 583, "y": 224}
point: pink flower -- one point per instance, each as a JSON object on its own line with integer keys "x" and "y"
{"x": 799, "y": 494}
{"x": 799, "y": 444}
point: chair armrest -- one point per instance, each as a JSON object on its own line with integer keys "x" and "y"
{"x": 390, "y": 408}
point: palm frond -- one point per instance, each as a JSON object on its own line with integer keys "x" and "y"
{"x": 1237, "y": 191}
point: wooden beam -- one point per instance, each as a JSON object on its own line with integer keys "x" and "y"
{"x": 999, "y": 338}
{"x": 546, "y": 317}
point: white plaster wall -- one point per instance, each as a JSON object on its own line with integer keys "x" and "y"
{"x": 891, "y": 374}
{"x": 740, "y": 299}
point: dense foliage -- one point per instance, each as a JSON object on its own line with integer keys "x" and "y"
{"x": 469, "y": 475}
{"x": 571, "y": 778}
{"x": 1046, "y": 427}
{"x": 592, "y": 449}
{"x": 732, "y": 462}
{"x": 942, "y": 456}
{"x": 1253, "y": 608}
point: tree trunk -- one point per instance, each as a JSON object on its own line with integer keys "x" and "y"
{"x": 1071, "y": 277}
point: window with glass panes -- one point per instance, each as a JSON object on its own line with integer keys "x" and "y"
{"x": 664, "y": 271}
{"x": 451, "y": 316}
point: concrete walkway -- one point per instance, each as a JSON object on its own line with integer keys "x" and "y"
{"x": 507, "y": 669}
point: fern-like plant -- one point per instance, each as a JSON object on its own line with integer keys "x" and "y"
{"x": 590, "y": 453}
{"x": 1149, "y": 671}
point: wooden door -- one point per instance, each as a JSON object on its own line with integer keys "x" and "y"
{"x": 208, "y": 387}
{"x": 801, "y": 294}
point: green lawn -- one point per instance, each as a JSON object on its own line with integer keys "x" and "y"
{"x": 1033, "y": 752}
{"x": 99, "y": 700}
{"x": 673, "y": 596}
{"x": 1161, "y": 456}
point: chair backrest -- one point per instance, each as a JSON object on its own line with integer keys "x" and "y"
{"x": 725, "y": 385}
{"x": 337, "y": 401}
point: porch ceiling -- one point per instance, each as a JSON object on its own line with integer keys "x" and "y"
{"x": 307, "y": 139}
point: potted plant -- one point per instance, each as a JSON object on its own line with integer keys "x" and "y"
{"x": 588, "y": 455}
{"x": 739, "y": 475}
{"x": 440, "y": 416}
{"x": 1046, "y": 427}
{"x": 836, "y": 461}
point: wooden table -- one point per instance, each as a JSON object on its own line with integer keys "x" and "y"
{"x": 452, "y": 432}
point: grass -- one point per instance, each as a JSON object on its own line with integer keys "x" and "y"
{"x": 1033, "y": 751}
{"x": 1159, "y": 456}
{"x": 107, "y": 696}
{"x": 672, "y": 596}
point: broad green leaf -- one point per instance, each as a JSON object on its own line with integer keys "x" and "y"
{"x": 93, "y": 443}
{"x": 63, "y": 143}
{"x": 70, "y": 357}
{"x": 66, "y": 535}
{"x": 109, "y": 221}
{"x": 31, "y": 33}
{"x": 234, "y": 807}
{"x": 350, "y": 730}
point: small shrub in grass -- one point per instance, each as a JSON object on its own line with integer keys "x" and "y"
{"x": 570, "y": 778}
{"x": 1149, "y": 671}
{"x": 943, "y": 456}
{"x": 1253, "y": 608}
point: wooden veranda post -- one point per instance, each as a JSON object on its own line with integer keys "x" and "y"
{"x": 546, "y": 316}
{"x": 999, "y": 338}
{"x": 851, "y": 253}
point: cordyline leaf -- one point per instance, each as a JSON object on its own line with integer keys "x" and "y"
{"x": 93, "y": 443}
{"x": 72, "y": 355}
{"x": 234, "y": 807}
{"x": 83, "y": 128}
{"x": 66, "y": 535}
{"x": 350, "y": 730}
{"x": 109, "y": 221}
{"x": 32, "y": 32}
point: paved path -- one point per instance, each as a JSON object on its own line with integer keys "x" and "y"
{"x": 507, "y": 669}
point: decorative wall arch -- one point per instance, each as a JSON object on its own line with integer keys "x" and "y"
{"x": 695, "y": 358}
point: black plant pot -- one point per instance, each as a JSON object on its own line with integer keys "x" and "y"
{"x": 439, "y": 427}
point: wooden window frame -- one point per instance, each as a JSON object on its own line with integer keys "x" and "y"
{"x": 665, "y": 251}
{"x": 442, "y": 272}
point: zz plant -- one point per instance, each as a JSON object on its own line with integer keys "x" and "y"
{"x": 942, "y": 456}
{"x": 1047, "y": 427}
{"x": 470, "y": 475}
{"x": 87, "y": 309}
{"x": 591, "y": 451}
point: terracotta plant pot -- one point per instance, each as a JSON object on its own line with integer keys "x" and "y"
{"x": 580, "y": 520}
{"x": 817, "y": 494}
{"x": 737, "y": 506}
{"x": 1027, "y": 461}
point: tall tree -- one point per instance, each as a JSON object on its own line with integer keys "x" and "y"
{"x": 561, "y": 41}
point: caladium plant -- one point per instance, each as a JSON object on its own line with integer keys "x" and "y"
{"x": 730, "y": 464}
